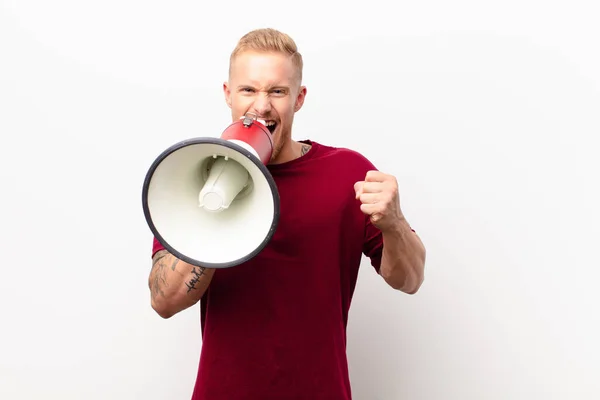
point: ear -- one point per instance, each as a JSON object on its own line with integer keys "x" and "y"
{"x": 300, "y": 99}
{"x": 227, "y": 93}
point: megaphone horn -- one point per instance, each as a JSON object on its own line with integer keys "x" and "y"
{"x": 212, "y": 202}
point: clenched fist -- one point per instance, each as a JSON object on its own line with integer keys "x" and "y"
{"x": 379, "y": 198}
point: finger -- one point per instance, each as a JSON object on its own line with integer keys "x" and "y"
{"x": 372, "y": 211}
{"x": 371, "y": 208}
{"x": 375, "y": 176}
{"x": 372, "y": 187}
{"x": 370, "y": 198}
{"x": 358, "y": 188}
{"x": 376, "y": 217}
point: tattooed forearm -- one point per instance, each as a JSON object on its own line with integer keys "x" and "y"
{"x": 176, "y": 285}
{"x": 175, "y": 261}
{"x": 159, "y": 278}
{"x": 197, "y": 272}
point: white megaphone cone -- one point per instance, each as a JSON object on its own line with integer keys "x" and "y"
{"x": 225, "y": 181}
{"x": 211, "y": 201}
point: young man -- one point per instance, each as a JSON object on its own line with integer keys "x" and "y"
{"x": 275, "y": 327}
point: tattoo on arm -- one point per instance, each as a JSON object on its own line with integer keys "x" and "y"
{"x": 197, "y": 272}
{"x": 158, "y": 274}
{"x": 159, "y": 254}
{"x": 175, "y": 261}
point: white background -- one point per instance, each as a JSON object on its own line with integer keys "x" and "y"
{"x": 487, "y": 112}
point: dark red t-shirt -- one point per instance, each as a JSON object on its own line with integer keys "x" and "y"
{"x": 275, "y": 327}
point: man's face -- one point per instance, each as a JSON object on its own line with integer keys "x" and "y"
{"x": 267, "y": 85}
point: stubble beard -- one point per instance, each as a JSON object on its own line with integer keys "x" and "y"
{"x": 279, "y": 141}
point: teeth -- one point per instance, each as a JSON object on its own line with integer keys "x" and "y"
{"x": 266, "y": 123}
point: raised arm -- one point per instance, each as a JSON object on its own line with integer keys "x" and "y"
{"x": 176, "y": 285}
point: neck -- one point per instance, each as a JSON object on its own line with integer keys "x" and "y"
{"x": 290, "y": 151}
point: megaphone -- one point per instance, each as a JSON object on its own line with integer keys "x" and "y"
{"x": 212, "y": 202}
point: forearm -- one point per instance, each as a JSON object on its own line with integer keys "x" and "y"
{"x": 176, "y": 285}
{"x": 403, "y": 260}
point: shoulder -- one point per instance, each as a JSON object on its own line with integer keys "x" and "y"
{"x": 343, "y": 157}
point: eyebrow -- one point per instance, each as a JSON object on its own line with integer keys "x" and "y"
{"x": 270, "y": 87}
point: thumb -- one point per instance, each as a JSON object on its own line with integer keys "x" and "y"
{"x": 358, "y": 188}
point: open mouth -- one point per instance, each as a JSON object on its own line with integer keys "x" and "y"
{"x": 270, "y": 124}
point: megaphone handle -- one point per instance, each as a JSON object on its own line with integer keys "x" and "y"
{"x": 248, "y": 120}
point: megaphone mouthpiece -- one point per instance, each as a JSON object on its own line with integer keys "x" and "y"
{"x": 226, "y": 179}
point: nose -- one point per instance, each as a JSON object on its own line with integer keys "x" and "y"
{"x": 262, "y": 105}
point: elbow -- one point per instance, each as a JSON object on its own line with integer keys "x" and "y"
{"x": 409, "y": 286}
{"x": 417, "y": 276}
{"x": 415, "y": 286}
{"x": 408, "y": 282}
{"x": 416, "y": 279}
{"x": 168, "y": 304}
{"x": 162, "y": 309}
{"x": 163, "y": 304}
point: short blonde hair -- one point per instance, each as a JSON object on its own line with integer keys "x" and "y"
{"x": 269, "y": 40}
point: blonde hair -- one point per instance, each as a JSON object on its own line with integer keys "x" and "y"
{"x": 269, "y": 40}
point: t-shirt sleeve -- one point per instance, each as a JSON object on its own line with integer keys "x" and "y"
{"x": 373, "y": 239}
{"x": 373, "y": 244}
{"x": 156, "y": 246}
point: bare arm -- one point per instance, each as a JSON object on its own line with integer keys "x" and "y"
{"x": 403, "y": 261}
{"x": 176, "y": 285}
